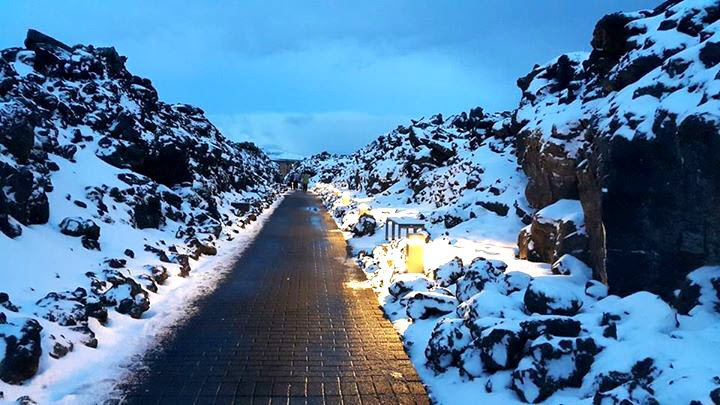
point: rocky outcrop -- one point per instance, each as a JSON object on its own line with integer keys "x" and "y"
{"x": 22, "y": 351}
{"x": 77, "y": 126}
{"x": 464, "y": 165}
{"x": 646, "y": 169}
{"x": 556, "y": 230}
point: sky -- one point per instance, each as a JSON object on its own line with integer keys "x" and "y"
{"x": 311, "y": 76}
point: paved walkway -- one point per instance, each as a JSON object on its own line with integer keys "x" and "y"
{"x": 284, "y": 327}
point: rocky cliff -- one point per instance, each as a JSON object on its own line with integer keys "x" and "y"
{"x": 631, "y": 129}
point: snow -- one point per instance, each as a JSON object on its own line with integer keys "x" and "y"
{"x": 646, "y": 326}
{"x": 88, "y": 375}
{"x": 562, "y": 211}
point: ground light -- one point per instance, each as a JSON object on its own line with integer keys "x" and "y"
{"x": 415, "y": 253}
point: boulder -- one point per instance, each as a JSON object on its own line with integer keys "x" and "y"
{"x": 635, "y": 385}
{"x": 402, "y": 284}
{"x": 147, "y": 212}
{"x": 501, "y": 348}
{"x": 24, "y": 195}
{"x": 365, "y": 226}
{"x": 76, "y": 226}
{"x": 127, "y": 296}
{"x": 553, "y": 364}
{"x": 22, "y": 353}
{"x": 448, "y": 273}
{"x": 427, "y": 304}
{"x": 449, "y": 339}
{"x": 700, "y": 288}
{"x": 479, "y": 272}
{"x": 553, "y": 296}
{"x": 555, "y": 230}
{"x": 17, "y": 131}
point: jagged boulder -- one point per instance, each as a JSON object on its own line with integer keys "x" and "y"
{"x": 553, "y": 364}
{"x": 448, "y": 273}
{"x": 365, "y": 226}
{"x": 479, "y": 272}
{"x": 556, "y": 230}
{"x": 552, "y": 296}
{"x": 501, "y": 348}
{"x": 76, "y": 226}
{"x": 22, "y": 351}
{"x": 449, "y": 339}
{"x": 427, "y": 304}
{"x": 405, "y": 283}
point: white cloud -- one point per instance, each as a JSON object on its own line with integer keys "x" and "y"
{"x": 306, "y": 134}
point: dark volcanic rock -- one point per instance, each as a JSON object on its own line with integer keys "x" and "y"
{"x": 365, "y": 226}
{"x": 647, "y": 174}
{"x": 22, "y": 354}
{"x": 75, "y": 226}
{"x": 449, "y": 339}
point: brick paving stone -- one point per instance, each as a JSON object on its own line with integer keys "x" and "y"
{"x": 284, "y": 327}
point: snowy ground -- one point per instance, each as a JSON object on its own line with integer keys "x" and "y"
{"x": 625, "y": 332}
{"x": 88, "y": 375}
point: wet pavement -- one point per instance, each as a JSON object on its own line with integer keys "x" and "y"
{"x": 287, "y": 326}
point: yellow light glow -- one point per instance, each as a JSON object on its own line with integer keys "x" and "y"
{"x": 415, "y": 257}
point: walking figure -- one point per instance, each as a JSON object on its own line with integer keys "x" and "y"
{"x": 305, "y": 181}
{"x": 296, "y": 181}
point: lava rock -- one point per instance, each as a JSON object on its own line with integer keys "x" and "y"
{"x": 76, "y": 226}
{"x": 22, "y": 354}
{"x": 501, "y": 349}
{"x": 427, "y": 304}
{"x": 449, "y": 339}
{"x": 403, "y": 284}
{"x": 553, "y": 364}
{"x": 448, "y": 273}
{"x": 365, "y": 226}
{"x": 552, "y": 297}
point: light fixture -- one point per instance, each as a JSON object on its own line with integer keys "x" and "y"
{"x": 415, "y": 253}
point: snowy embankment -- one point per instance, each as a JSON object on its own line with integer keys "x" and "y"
{"x": 605, "y": 179}
{"x": 89, "y": 375}
{"x": 116, "y": 209}
{"x": 481, "y": 325}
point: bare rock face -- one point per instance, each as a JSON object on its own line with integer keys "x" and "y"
{"x": 659, "y": 212}
{"x": 601, "y": 128}
{"x": 555, "y": 231}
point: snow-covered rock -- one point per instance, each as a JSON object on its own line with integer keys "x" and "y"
{"x": 448, "y": 273}
{"x": 631, "y": 130}
{"x": 105, "y": 193}
{"x": 426, "y": 304}
{"x": 448, "y": 341}
{"x": 405, "y": 283}
{"x": 553, "y": 296}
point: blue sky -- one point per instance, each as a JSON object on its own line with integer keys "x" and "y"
{"x": 307, "y": 76}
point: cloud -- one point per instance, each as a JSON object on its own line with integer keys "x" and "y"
{"x": 332, "y": 74}
{"x": 306, "y": 134}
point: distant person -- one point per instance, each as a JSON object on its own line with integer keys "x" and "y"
{"x": 296, "y": 181}
{"x": 305, "y": 181}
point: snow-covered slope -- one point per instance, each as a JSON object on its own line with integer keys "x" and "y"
{"x": 605, "y": 180}
{"x": 459, "y": 167}
{"x": 108, "y": 198}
